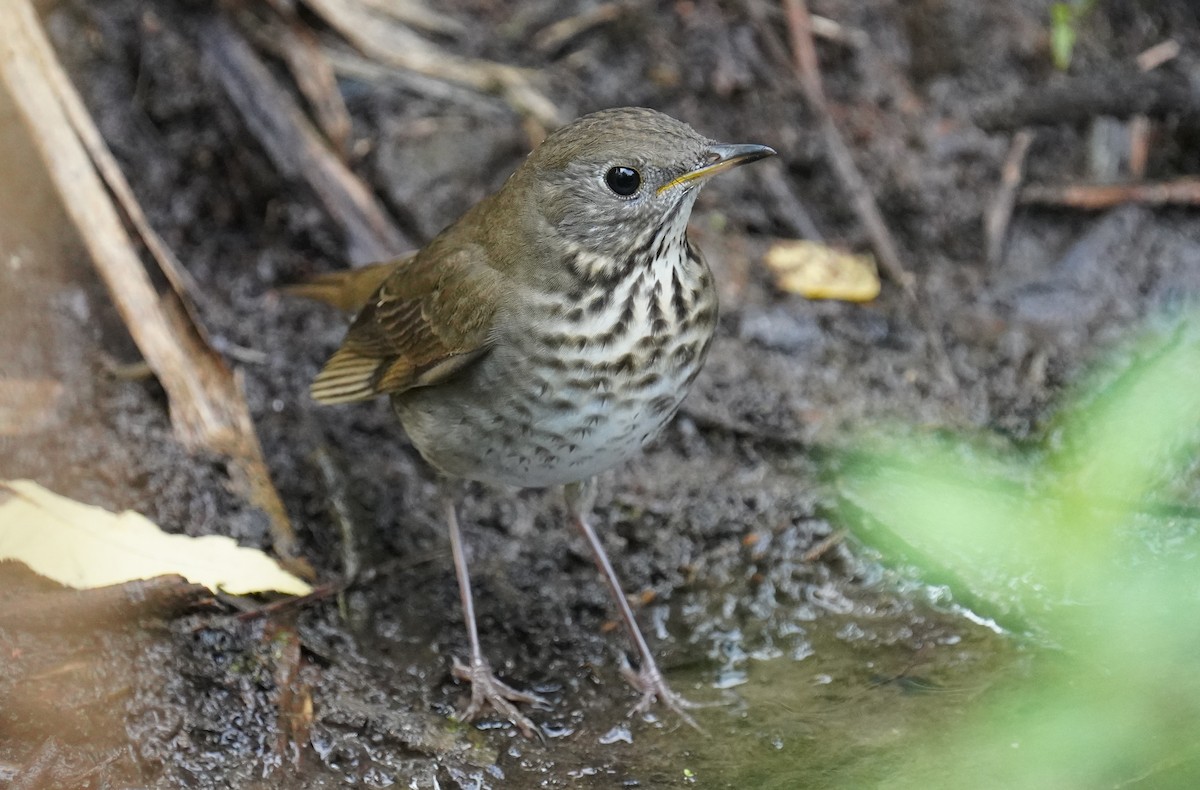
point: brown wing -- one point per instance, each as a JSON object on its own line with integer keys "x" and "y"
{"x": 431, "y": 317}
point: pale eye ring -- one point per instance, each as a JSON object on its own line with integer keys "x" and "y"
{"x": 623, "y": 180}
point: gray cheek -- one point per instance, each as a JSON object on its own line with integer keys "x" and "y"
{"x": 599, "y": 223}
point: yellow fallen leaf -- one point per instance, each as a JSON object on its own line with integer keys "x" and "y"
{"x": 817, "y": 271}
{"x": 84, "y": 546}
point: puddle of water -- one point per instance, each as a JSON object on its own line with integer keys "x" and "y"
{"x": 846, "y": 715}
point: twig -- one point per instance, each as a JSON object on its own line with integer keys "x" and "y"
{"x": 1078, "y": 99}
{"x": 296, "y": 148}
{"x": 999, "y": 211}
{"x": 353, "y": 64}
{"x": 1158, "y": 54}
{"x": 1139, "y": 146}
{"x": 822, "y": 547}
{"x": 792, "y": 212}
{"x": 85, "y": 130}
{"x": 800, "y": 30}
{"x": 800, "y": 27}
{"x": 292, "y": 693}
{"x": 345, "y": 511}
{"x": 832, "y": 30}
{"x": 355, "y": 531}
{"x": 555, "y": 35}
{"x": 805, "y": 55}
{"x": 1180, "y": 191}
{"x": 208, "y": 409}
{"x": 293, "y": 603}
{"x": 381, "y": 38}
{"x": 284, "y": 35}
{"x": 416, "y": 14}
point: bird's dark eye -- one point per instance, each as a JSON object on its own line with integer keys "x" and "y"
{"x": 623, "y": 180}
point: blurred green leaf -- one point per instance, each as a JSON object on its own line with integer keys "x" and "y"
{"x": 1079, "y": 539}
{"x": 1065, "y": 19}
{"x": 1062, "y": 34}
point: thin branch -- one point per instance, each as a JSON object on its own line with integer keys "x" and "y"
{"x": 88, "y": 134}
{"x": 556, "y": 35}
{"x": 804, "y": 52}
{"x": 296, "y": 148}
{"x": 1158, "y": 54}
{"x": 382, "y": 38}
{"x": 285, "y": 36}
{"x": 999, "y": 211}
{"x": 349, "y": 62}
{"x": 792, "y": 211}
{"x": 1078, "y": 99}
{"x": 416, "y": 14}
{"x": 1140, "y": 131}
{"x": 1183, "y": 191}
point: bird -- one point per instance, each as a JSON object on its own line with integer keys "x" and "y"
{"x": 544, "y": 337}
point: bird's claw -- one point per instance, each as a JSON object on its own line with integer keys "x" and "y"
{"x": 654, "y": 688}
{"x": 489, "y": 691}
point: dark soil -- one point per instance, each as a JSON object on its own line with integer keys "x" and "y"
{"x": 709, "y": 529}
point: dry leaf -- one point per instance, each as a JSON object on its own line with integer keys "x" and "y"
{"x": 83, "y": 546}
{"x": 817, "y": 271}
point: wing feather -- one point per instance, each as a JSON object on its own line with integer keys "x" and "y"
{"x": 430, "y": 318}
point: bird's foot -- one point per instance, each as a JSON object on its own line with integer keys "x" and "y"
{"x": 653, "y": 686}
{"x": 489, "y": 691}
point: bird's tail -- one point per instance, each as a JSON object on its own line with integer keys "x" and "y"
{"x": 346, "y": 290}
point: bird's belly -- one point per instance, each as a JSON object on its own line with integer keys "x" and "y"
{"x": 541, "y": 428}
{"x": 573, "y": 434}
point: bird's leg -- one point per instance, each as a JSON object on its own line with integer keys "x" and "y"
{"x": 486, "y": 688}
{"x": 648, "y": 679}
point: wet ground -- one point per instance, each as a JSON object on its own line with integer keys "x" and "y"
{"x": 827, "y": 665}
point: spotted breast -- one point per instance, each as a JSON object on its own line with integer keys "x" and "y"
{"x": 578, "y": 385}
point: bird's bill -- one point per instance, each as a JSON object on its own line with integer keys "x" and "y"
{"x": 722, "y": 157}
